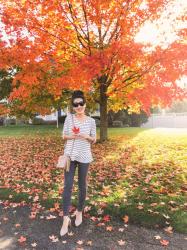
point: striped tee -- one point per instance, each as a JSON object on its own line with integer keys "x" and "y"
{"x": 81, "y": 150}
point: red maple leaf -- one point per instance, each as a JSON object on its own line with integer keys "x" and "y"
{"x": 75, "y": 130}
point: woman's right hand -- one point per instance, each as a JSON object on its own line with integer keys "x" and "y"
{"x": 69, "y": 137}
{"x": 73, "y": 136}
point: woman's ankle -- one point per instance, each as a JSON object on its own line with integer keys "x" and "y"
{"x": 66, "y": 216}
{"x": 79, "y": 211}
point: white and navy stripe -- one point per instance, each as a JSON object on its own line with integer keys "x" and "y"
{"x": 81, "y": 150}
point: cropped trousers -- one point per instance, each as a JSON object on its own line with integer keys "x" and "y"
{"x": 68, "y": 185}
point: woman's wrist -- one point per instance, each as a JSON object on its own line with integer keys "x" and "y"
{"x": 90, "y": 138}
{"x": 68, "y": 137}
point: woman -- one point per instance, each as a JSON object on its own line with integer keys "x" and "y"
{"x": 79, "y": 148}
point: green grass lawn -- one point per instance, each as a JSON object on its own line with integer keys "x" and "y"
{"x": 137, "y": 172}
{"x": 22, "y": 130}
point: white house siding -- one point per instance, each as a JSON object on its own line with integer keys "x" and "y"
{"x": 168, "y": 120}
{"x": 53, "y": 116}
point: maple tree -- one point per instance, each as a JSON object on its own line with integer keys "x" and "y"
{"x": 91, "y": 45}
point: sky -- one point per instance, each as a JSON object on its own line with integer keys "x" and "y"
{"x": 162, "y": 31}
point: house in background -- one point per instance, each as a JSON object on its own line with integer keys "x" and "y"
{"x": 53, "y": 116}
{"x": 166, "y": 120}
{"x": 3, "y": 117}
{"x": 3, "y": 101}
{"x": 174, "y": 116}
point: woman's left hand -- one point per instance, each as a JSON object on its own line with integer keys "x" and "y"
{"x": 86, "y": 137}
{"x": 82, "y": 136}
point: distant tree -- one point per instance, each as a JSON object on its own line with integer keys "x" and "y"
{"x": 6, "y": 78}
{"x": 132, "y": 119}
{"x": 178, "y": 107}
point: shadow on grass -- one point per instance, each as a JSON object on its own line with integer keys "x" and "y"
{"x": 149, "y": 215}
{"x": 30, "y": 129}
{"x": 160, "y": 216}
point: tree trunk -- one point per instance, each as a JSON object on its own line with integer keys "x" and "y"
{"x": 57, "y": 118}
{"x": 103, "y": 113}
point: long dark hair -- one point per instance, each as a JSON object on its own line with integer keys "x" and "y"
{"x": 77, "y": 94}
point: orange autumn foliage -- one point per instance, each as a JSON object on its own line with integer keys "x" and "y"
{"x": 90, "y": 44}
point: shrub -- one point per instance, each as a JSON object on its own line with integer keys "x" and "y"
{"x": 50, "y": 122}
{"x": 138, "y": 119}
{"x": 96, "y": 117}
{"x": 22, "y": 121}
{"x": 10, "y": 121}
{"x": 61, "y": 119}
{"x": 97, "y": 121}
{"x": 117, "y": 124}
{"x": 1, "y": 121}
{"x": 37, "y": 121}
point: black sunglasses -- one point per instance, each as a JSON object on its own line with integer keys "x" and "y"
{"x": 76, "y": 104}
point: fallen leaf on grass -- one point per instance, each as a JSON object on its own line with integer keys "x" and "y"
{"x": 154, "y": 204}
{"x": 89, "y": 243}
{"x": 80, "y": 242}
{"x": 17, "y": 225}
{"x": 61, "y": 214}
{"x": 164, "y": 242}
{"x": 34, "y": 244}
{"x": 166, "y": 216}
{"x": 109, "y": 228}
{"x": 87, "y": 208}
{"x": 121, "y": 242}
{"x": 22, "y": 239}
{"x": 126, "y": 218}
{"x": 100, "y": 211}
{"x": 50, "y": 217}
{"x": 93, "y": 218}
{"x": 36, "y": 198}
{"x": 106, "y": 218}
{"x": 168, "y": 229}
{"x": 56, "y": 205}
{"x": 70, "y": 233}
{"x": 32, "y": 215}
{"x": 157, "y": 237}
{"x": 100, "y": 224}
{"x": 140, "y": 207}
{"x": 53, "y": 238}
